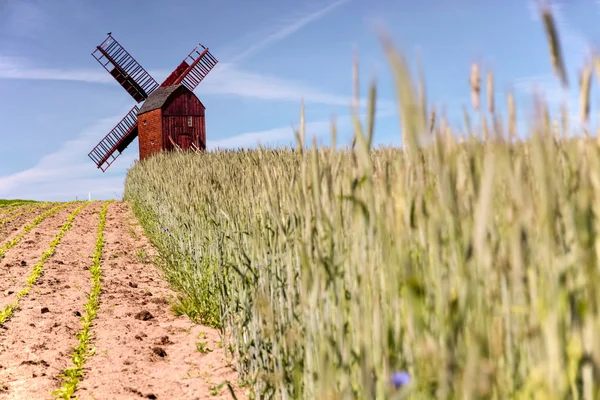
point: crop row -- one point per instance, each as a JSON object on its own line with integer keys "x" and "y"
{"x": 8, "y": 310}
{"x": 4, "y": 211}
{"x": 13, "y": 242}
{"x": 7, "y": 209}
{"x": 21, "y": 211}
{"x": 72, "y": 375}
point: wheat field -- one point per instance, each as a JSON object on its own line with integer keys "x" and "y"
{"x": 462, "y": 265}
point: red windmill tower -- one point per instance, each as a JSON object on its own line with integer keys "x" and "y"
{"x": 171, "y": 116}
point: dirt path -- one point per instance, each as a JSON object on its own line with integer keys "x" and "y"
{"x": 141, "y": 349}
{"x": 40, "y": 336}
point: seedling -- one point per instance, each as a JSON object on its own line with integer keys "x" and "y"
{"x": 72, "y": 375}
{"x": 201, "y": 347}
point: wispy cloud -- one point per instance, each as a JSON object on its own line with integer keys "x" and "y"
{"x": 67, "y": 172}
{"x": 283, "y": 33}
{"x": 225, "y": 79}
{"x": 321, "y": 130}
{"x": 18, "y": 68}
{"x": 270, "y": 137}
{"x": 238, "y": 82}
{"x": 103, "y": 188}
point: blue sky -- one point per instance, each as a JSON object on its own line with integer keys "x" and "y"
{"x": 57, "y": 102}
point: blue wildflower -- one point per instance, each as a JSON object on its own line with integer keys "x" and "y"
{"x": 400, "y": 378}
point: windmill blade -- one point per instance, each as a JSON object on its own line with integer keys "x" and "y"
{"x": 116, "y": 141}
{"x": 125, "y": 69}
{"x": 193, "y": 69}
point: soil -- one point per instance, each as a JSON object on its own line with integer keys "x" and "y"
{"x": 9, "y": 228}
{"x": 142, "y": 350}
{"x": 6, "y": 210}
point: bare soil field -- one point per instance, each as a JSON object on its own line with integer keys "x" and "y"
{"x": 10, "y": 222}
{"x": 139, "y": 348}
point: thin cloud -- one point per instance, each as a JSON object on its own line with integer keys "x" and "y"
{"x": 544, "y": 84}
{"x": 68, "y": 170}
{"x": 288, "y": 30}
{"x": 229, "y": 80}
{"x": 285, "y": 135}
{"x": 225, "y": 79}
{"x": 103, "y": 188}
{"x": 17, "y": 68}
{"x": 268, "y": 137}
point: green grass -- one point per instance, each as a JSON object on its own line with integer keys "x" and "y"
{"x": 473, "y": 265}
{"x": 7, "y": 203}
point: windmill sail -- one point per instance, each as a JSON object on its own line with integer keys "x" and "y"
{"x": 116, "y": 141}
{"x": 125, "y": 69}
{"x": 193, "y": 69}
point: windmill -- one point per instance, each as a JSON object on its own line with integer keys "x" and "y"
{"x": 172, "y": 116}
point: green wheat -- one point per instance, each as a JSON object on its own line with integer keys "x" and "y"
{"x": 472, "y": 264}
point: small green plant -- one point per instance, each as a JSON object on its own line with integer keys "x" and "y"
{"x": 143, "y": 256}
{"x": 10, "y": 244}
{"x": 22, "y": 211}
{"x": 72, "y": 375}
{"x": 133, "y": 234}
{"x": 37, "y": 270}
{"x": 202, "y": 347}
{"x": 214, "y": 390}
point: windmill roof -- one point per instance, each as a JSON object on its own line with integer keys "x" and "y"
{"x": 158, "y": 98}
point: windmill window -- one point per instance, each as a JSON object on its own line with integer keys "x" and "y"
{"x": 144, "y": 122}
{"x": 189, "y": 121}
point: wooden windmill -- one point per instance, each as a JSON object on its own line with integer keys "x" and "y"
{"x": 171, "y": 116}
